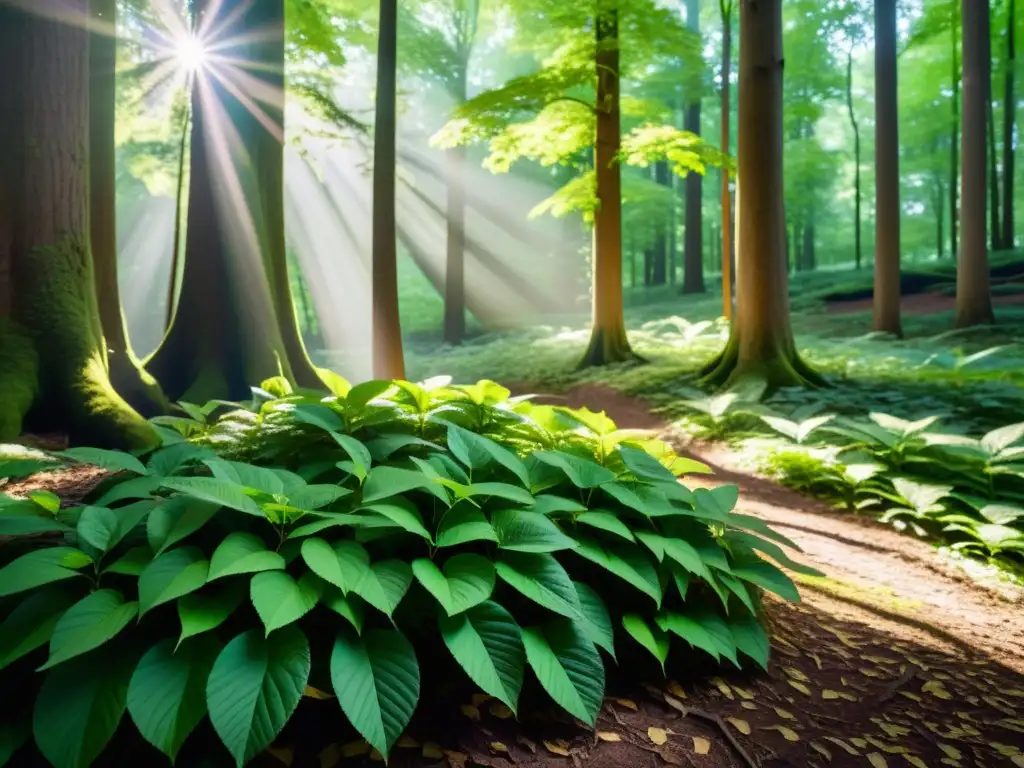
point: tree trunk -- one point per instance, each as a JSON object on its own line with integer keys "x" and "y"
{"x": 940, "y": 240}
{"x": 887, "y": 173}
{"x": 954, "y": 139}
{"x": 995, "y": 231}
{"x": 664, "y": 178}
{"x": 53, "y": 364}
{"x": 809, "y": 259}
{"x": 693, "y": 246}
{"x": 761, "y": 341}
{"x": 1009, "y": 124}
{"x": 726, "y": 7}
{"x": 973, "y": 300}
{"x": 857, "y": 247}
{"x": 608, "y": 341}
{"x": 455, "y": 278}
{"x": 234, "y": 322}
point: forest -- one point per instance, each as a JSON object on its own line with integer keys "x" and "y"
{"x": 590, "y": 383}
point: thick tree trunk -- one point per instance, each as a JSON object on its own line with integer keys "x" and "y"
{"x": 1009, "y": 124}
{"x": 857, "y": 247}
{"x": 726, "y": 7}
{"x": 608, "y": 341}
{"x": 455, "y": 216}
{"x": 53, "y": 366}
{"x": 388, "y": 358}
{"x": 973, "y": 300}
{"x": 887, "y": 173}
{"x": 954, "y": 137}
{"x": 234, "y": 321}
{"x": 693, "y": 247}
{"x": 761, "y": 342}
{"x": 995, "y": 231}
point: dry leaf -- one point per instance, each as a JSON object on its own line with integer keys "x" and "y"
{"x": 1018, "y": 760}
{"x": 953, "y": 752}
{"x": 675, "y": 703}
{"x": 608, "y": 736}
{"x": 555, "y": 749}
{"x": 858, "y": 742}
{"x": 470, "y": 711}
{"x": 800, "y": 687}
{"x": 877, "y": 761}
{"x": 784, "y": 714}
{"x": 456, "y": 759}
{"x": 315, "y": 693}
{"x": 480, "y": 698}
{"x": 676, "y": 690}
{"x": 743, "y": 692}
{"x": 497, "y": 746}
{"x": 701, "y": 746}
{"x": 355, "y": 748}
{"x": 787, "y": 733}
{"x": 285, "y": 754}
{"x": 842, "y": 745}
{"x": 723, "y": 687}
{"x": 407, "y": 742}
{"x": 740, "y": 725}
{"x": 432, "y": 751}
{"x": 627, "y": 703}
{"x": 500, "y": 710}
{"x": 525, "y": 742}
{"x": 657, "y": 735}
{"x": 670, "y": 757}
{"x": 748, "y": 705}
{"x": 936, "y": 689}
{"x": 796, "y": 674}
{"x": 829, "y": 694}
{"x": 915, "y": 761}
{"x": 822, "y": 750}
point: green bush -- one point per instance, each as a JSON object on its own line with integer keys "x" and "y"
{"x": 327, "y": 540}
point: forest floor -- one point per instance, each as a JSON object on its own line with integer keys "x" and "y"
{"x": 894, "y": 658}
{"x": 917, "y": 303}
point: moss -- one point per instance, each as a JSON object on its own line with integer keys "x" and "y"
{"x": 607, "y": 346}
{"x": 19, "y": 369}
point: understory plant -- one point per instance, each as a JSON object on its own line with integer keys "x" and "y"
{"x": 323, "y": 541}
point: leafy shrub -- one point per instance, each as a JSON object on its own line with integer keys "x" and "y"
{"x": 327, "y": 540}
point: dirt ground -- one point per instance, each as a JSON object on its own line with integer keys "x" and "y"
{"x": 894, "y": 659}
{"x": 916, "y": 304}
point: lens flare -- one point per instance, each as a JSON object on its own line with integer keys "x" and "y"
{"x": 191, "y": 53}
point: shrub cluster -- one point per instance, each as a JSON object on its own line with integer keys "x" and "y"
{"x": 334, "y": 534}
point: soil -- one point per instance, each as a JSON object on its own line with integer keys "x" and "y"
{"x": 894, "y": 659}
{"x": 916, "y": 303}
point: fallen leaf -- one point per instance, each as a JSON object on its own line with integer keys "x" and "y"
{"x": 871, "y": 672}
{"x": 953, "y": 752}
{"x": 480, "y": 698}
{"x": 470, "y": 711}
{"x": 936, "y": 689}
{"x": 800, "y": 687}
{"x": 456, "y": 759}
{"x": 740, "y": 725}
{"x": 784, "y": 713}
{"x": 828, "y": 694}
{"x": 523, "y": 741}
{"x": 910, "y": 695}
{"x": 701, "y": 746}
{"x": 355, "y": 748}
{"x": 748, "y": 705}
{"x": 670, "y": 757}
{"x": 842, "y": 745}
{"x": 1004, "y": 749}
{"x": 723, "y": 687}
{"x": 500, "y": 710}
{"x": 285, "y": 754}
{"x": 847, "y": 696}
{"x": 675, "y": 703}
{"x": 432, "y": 751}
{"x": 627, "y": 703}
{"x": 858, "y": 742}
{"x": 915, "y": 761}
{"x": 796, "y": 674}
{"x": 497, "y": 746}
{"x": 787, "y": 733}
{"x": 676, "y": 690}
{"x": 817, "y": 660}
{"x": 315, "y": 693}
{"x": 407, "y": 742}
{"x": 892, "y": 749}
{"x": 877, "y": 761}
{"x": 1018, "y": 760}
{"x": 555, "y": 749}
{"x": 608, "y": 736}
{"x": 657, "y": 735}
{"x": 893, "y": 731}
{"x": 743, "y": 692}
{"x": 822, "y": 750}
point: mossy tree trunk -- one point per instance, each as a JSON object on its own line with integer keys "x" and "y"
{"x": 973, "y": 299}
{"x": 887, "y": 173}
{"x": 608, "y": 341}
{"x": 53, "y": 365}
{"x": 725, "y": 8}
{"x": 126, "y": 373}
{"x": 388, "y": 359}
{"x": 234, "y": 321}
{"x": 761, "y": 343}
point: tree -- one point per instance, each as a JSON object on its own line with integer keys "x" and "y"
{"x": 973, "y": 299}
{"x": 1009, "y": 122}
{"x": 53, "y": 363}
{"x": 761, "y": 340}
{"x": 388, "y": 360}
{"x": 995, "y": 230}
{"x": 887, "y": 173}
{"x": 234, "y": 321}
{"x": 954, "y": 135}
{"x": 725, "y": 8}
{"x": 693, "y": 246}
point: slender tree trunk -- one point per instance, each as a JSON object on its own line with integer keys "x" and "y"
{"x": 995, "y": 230}
{"x": 809, "y": 259}
{"x": 954, "y": 138}
{"x": 887, "y": 173}
{"x": 608, "y": 341}
{"x": 661, "y": 249}
{"x": 174, "y": 283}
{"x": 857, "y": 247}
{"x": 725, "y": 7}
{"x": 693, "y": 247}
{"x": 455, "y": 282}
{"x": 761, "y": 342}
{"x": 940, "y": 239}
{"x": 53, "y": 369}
{"x": 973, "y": 300}
{"x": 1009, "y": 124}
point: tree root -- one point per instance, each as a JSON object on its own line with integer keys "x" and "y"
{"x": 908, "y": 674}
{"x": 733, "y": 741}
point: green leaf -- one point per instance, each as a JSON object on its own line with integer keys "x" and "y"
{"x": 177, "y": 518}
{"x": 750, "y": 638}
{"x": 242, "y": 552}
{"x": 716, "y": 503}
{"x": 318, "y": 416}
{"x": 41, "y": 566}
{"x": 738, "y": 588}
{"x": 112, "y": 461}
{"x": 325, "y": 521}
{"x": 236, "y": 473}
{"x": 767, "y": 576}
{"x": 254, "y": 687}
{"x": 170, "y": 576}
{"x": 23, "y": 524}
{"x": 496, "y": 490}
{"x": 549, "y": 504}
{"x": 384, "y": 585}
{"x": 214, "y": 491}
{"x": 690, "y": 630}
{"x": 14, "y": 732}
{"x": 487, "y": 643}
{"x": 1002, "y": 438}
{"x": 344, "y": 565}
{"x": 280, "y": 600}
{"x": 677, "y": 550}
{"x": 521, "y": 531}
{"x": 581, "y": 472}
{"x": 384, "y": 482}
{"x": 645, "y": 466}
{"x": 477, "y": 452}
{"x": 357, "y": 452}
{"x": 48, "y": 500}
{"x": 88, "y": 624}
{"x": 80, "y": 705}
{"x": 169, "y": 460}
{"x": 316, "y": 496}
{"x": 105, "y": 528}
{"x": 606, "y": 521}
{"x": 654, "y": 639}
{"x": 133, "y": 488}
{"x": 402, "y": 513}
{"x": 626, "y": 561}
{"x": 338, "y": 385}
{"x": 382, "y": 448}
{"x": 167, "y": 693}
{"x": 350, "y": 607}
{"x": 719, "y": 632}
{"x": 596, "y": 621}
{"x": 771, "y": 549}
{"x": 377, "y": 681}
{"x": 567, "y": 666}
{"x": 464, "y": 523}
{"x": 542, "y": 579}
{"x": 209, "y": 608}
{"x": 31, "y": 623}
{"x": 131, "y": 563}
{"x": 466, "y": 580}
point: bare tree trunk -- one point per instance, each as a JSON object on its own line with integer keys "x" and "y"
{"x": 995, "y": 231}
{"x": 726, "y": 7}
{"x": 455, "y": 278}
{"x": 661, "y": 251}
{"x": 857, "y": 247}
{"x": 693, "y": 249}
{"x": 1009, "y": 124}
{"x": 973, "y": 299}
{"x": 887, "y": 173}
{"x": 954, "y": 138}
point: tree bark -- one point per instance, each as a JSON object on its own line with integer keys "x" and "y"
{"x": 887, "y": 173}
{"x": 53, "y": 364}
{"x": 973, "y": 299}
{"x": 661, "y": 249}
{"x": 761, "y": 341}
{"x": 1009, "y": 124}
{"x": 693, "y": 245}
{"x": 388, "y": 358}
{"x": 954, "y": 139}
{"x": 857, "y": 247}
{"x": 455, "y": 216}
{"x": 608, "y": 341}
{"x": 995, "y": 231}
{"x": 725, "y": 7}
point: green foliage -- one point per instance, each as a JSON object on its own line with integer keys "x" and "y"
{"x": 377, "y": 517}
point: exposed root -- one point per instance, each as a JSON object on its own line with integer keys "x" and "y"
{"x": 733, "y": 741}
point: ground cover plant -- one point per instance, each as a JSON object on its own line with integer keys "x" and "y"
{"x": 326, "y": 540}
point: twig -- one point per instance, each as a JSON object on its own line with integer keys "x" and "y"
{"x": 908, "y": 674}
{"x": 733, "y": 741}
